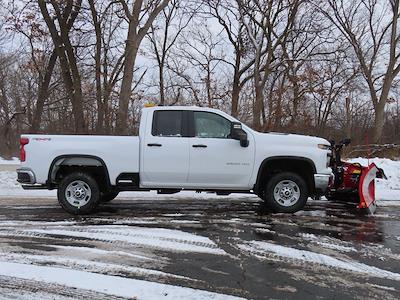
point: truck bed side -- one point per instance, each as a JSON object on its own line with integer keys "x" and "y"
{"x": 120, "y": 154}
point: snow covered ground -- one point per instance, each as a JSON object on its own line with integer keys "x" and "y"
{"x": 111, "y": 285}
{"x": 13, "y": 161}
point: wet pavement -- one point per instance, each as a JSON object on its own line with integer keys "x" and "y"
{"x": 223, "y": 245}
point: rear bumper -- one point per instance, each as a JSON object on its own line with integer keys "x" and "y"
{"x": 322, "y": 182}
{"x": 26, "y": 176}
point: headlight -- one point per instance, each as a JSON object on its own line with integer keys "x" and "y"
{"x": 324, "y": 147}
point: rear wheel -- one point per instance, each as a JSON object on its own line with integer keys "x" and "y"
{"x": 108, "y": 196}
{"x": 286, "y": 192}
{"x": 78, "y": 193}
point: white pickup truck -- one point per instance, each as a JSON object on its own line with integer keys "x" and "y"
{"x": 178, "y": 148}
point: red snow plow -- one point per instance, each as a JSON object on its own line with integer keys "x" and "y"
{"x": 353, "y": 182}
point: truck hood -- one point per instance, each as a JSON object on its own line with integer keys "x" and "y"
{"x": 292, "y": 139}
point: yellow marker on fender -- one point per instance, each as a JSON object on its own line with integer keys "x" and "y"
{"x": 150, "y": 104}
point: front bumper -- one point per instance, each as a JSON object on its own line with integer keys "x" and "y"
{"x": 322, "y": 182}
{"x": 26, "y": 176}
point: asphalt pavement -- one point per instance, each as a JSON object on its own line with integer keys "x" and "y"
{"x": 228, "y": 246}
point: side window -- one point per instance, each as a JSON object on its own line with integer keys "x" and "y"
{"x": 167, "y": 123}
{"x": 210, "y": 125}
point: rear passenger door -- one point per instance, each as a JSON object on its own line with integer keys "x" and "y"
{"x": 166, "y": 150}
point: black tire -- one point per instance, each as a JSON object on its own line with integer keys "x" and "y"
{"x": 90, "y": 198}
{"x": 107, "y": 196}
{"x": 286, "y": 182}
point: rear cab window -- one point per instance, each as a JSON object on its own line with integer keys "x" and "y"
{"x": 169, "y": 123}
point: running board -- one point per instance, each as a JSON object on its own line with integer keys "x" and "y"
{"x": 35, "y": 187}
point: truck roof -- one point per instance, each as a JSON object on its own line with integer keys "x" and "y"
{"x": 193, "y": 107}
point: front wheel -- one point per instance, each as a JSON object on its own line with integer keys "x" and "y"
{"x": 78, "y": 193}
{"x": 286, "y": 192}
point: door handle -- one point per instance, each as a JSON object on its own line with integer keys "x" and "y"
{"x": 154, "y": 145}
{"x": 199, "y": 146}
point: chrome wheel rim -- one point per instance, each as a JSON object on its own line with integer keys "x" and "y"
{"x": 78, "y": 193}
{"x": 287, "y": 193}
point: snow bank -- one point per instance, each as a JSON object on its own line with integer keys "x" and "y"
{"x": 13, "y": 161}
{"x": 111, "y": 285}
{"x": 9, "y": 187}
{"x": 385, "y": 190}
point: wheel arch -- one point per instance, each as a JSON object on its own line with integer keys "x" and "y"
{"x": 78, "y": 161}
{"x": 302, "y": 166}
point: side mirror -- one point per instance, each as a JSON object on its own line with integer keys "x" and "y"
{"x": 237, "y": 133}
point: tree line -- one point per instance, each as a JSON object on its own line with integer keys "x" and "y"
{"x": 323, "y": 67}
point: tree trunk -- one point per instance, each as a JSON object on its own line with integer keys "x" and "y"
{"x": 97, "y": 58}
{"x": 278, "y": 108}
{"x": 43, "y": 93}
{"x": 295, "y": 100}
{"x": 67, "y": 58}
{"x": 258, "y": 88}
{"x": 208, "y": 86}
{"x": 379, "y": 108}
{"x": 235, "y": 98}
{"x": 257, "y": 107}
{"x": 379, "y": 122}
{"x": 161, "y": 78}
{"x": 126, "y": 86}
{"x": 348, "y": 118}
{"x": 236, "y": 85}
{"x": 76, "y": 88}
{"x": 135, "y": 37}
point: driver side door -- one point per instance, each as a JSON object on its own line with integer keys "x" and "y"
{"x": 216, "y": 160}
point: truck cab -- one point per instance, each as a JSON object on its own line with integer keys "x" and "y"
{"x": 196, "y": 149}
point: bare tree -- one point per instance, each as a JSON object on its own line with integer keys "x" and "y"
{"x": 197, "y": 61}
{"x": 140, "y": 17}
{"x": 60, "y": 23}
{"x": 97, "y": 59}
{"x": 268, "y": 24}
{"x": 43, "y": 56}
{"x": 305, "y": 45}
{"x": 164, "y": 35}
{"x": 228, "y": 15}
{"x": 108, "y": 61}
{"x": 371, "y": 28}
{"x": 328, "y": 82}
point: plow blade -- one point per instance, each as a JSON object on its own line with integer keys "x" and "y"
{"x": 366, "y": 188}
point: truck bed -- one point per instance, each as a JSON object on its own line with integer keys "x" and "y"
{"x": 119, "y": 153}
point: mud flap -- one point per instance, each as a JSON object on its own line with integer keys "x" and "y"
{"x": 366, "y": 189}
